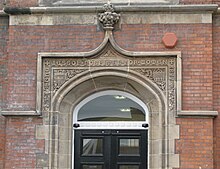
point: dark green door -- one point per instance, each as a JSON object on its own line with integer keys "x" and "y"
{"x": 110, "y": 149}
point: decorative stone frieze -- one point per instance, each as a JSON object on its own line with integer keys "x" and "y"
{"x": 160, "y": 71}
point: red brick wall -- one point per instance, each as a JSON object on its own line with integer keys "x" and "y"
{"x": 21, "y": 146}
{"x": 2, "y": 141}
{"x": 22, "y": 3}
{"x": 24, "y": 44}
{"x": 216, "y": 85}
{"x": 196, "y": 46}
{"x": 3, "y": 83}
{"x": 195, "y": 145}
{"x": 216, "y": 2}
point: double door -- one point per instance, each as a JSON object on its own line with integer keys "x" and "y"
{"x": 110, "y": 149}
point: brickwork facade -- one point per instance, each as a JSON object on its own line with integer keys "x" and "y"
{"x": 2, "y": 141}
{"x": 21, "y": 144}
{"x": 196, "y": 135}
{"x": 3, "y": 82}
{"x": 216, "y": 82}
{"x": 198, "y": 145}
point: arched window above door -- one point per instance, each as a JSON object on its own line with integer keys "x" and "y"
{"x": 111, "y": 105}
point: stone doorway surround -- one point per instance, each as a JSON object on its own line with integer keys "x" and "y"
{"x": 67, "y": 78}
{"x": 64, "y": 79}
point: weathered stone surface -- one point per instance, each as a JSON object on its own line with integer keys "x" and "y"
{"x": 42, "y": 160}
{"x": 129, "y": 2}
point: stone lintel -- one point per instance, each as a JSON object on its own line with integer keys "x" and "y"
{"x": 135, "y": 8}
{"x": 197, "y": 113}
{"x": 126, "y": 18}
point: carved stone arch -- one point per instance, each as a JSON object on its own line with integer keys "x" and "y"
{"x": 124, "y": 80}
{"x": 79, "y": 88}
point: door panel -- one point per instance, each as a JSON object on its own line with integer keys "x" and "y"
{"x": 110, "y": 149}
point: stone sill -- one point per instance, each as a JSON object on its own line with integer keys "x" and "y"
{"x": 94, "y": 9}
{"x": 182, "y": 113}
{"x": 197, "y": 113}
{"x": 20, "y": 113}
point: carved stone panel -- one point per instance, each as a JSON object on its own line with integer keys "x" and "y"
{"x": 58, "y": 71}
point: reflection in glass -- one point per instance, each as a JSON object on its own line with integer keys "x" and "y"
{"x": 111, "y": 108}
{"x": 129, "y": 167}
{"x": 92, "y": 166}
{"x": 129, "y": 146}
{"x": 92, "y": 147}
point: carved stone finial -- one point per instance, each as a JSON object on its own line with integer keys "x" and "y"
{"x": 109, "y": 18}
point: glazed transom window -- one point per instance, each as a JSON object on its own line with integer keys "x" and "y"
{"x": 111, "y": 108}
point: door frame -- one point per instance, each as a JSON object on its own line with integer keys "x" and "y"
{"x": 122, "y": 125}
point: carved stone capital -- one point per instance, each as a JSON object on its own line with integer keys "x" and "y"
{"x": 109, "y": 18}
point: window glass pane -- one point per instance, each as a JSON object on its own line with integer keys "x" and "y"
{"x": 129, "y": 167}
{"x": 91, "y": 166}
{"x": 92, "y": 147}
{"x": 111, "y": 108}
{"x": 129, "y": 146}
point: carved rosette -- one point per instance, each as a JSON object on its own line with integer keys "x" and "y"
{"x": 109, "y": 18}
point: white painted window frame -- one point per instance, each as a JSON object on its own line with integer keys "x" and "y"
{"x": 110, "y": 124}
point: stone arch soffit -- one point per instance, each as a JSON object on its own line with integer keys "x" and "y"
{"x": 90, "y": 76}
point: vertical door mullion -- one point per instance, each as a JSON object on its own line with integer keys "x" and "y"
{"x": 77, "y": 147}
{"x": 144, "y": 149}
{"x": 114, "y": 151}
{"x": 107, "y": 150}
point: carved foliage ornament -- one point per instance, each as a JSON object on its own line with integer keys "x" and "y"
{"x": 57, "y": 71}
{"x": 109, "y": 18}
